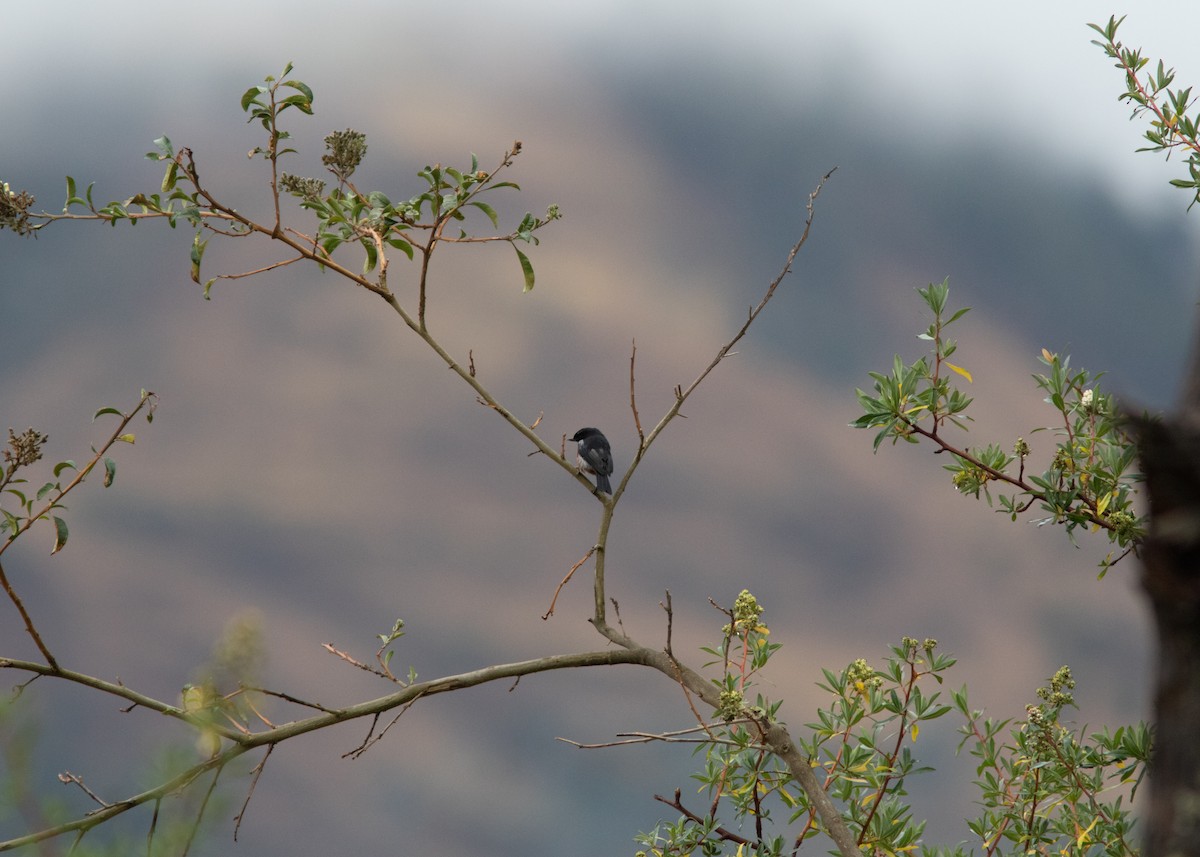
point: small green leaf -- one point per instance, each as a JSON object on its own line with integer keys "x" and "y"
{"x": 60, "y": 534}
{"x": 372, "y": 256}
{"x": 526, "y": 269}
{"x": 486, "y": 209}
{"x": 128, "y": 437}
{"x": 401, "y": 245}
{"x": 110, "y": 472}
{"x": 250, "y": 96}
{"x": 103, "y": 411}
{"x": 63, "y": 465}
{"x": 298, "y": 101}
{"x": 299, "y": 86}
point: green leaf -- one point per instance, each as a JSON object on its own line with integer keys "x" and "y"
{"x": 110, "y": 472}
{"x": 103, "y": 411}
{"x": 486, "y": 209}
{"x": 250, "y": 96}
{"x": 73, "y": 198}
{"x": 526, "y": 269}
{"x": 63, "y": 465}
{"x": 298, "y": 101}
{"x": 300, "y": 86}
{"x": 372, "y": 256}
{"x": 60, "y": 534}
{"x": 401, "y": 245}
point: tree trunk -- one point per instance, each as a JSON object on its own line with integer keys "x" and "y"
{"x": 1170, "y": 456}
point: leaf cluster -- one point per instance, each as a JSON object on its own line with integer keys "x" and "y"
{"x": 1045, "y": 787}
{"x": 1153, "y": 92}
{"x": 864, "y": 736}
{"x": 171, "y": 203}
{"x": 861, "y": 741}
{"x": 1089, "y": 479}
{"x": 344, "y": 215}
{"x": 921, "y": 392}
{"x": 265, "y": 104}
{"x": 46, "y": 502}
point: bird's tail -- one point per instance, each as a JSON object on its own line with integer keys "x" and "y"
{"x": 603, "y": 484}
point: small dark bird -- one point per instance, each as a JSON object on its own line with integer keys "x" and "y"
{"x": 595, "y": 456}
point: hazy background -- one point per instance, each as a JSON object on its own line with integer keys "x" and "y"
{"x": 314, "y": 463}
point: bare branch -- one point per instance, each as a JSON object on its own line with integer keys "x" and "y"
{"x": 212, "y": 787}
{"x": 681, "y": 393}
{"x": 257, "y": 773}
{"x": 637, "y": 420}
{"x": 563, "y": 582}
{"x": 29, "y": 626}
{"x": 68, "y": 777}
{"x": 240, "y": 744}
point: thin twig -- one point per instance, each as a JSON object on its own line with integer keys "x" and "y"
{"x": 362, "y": 748}
{"x": 675, "y": 737}
{"x": 670, "y": 622}
{"x": 563, "y": 582}
{"x": 257, "y": 772}
{"x": 287, "y": 697}
{"x": 68, "y": 777}
{"x": 366, "y": 738}
{"x": 681, "y": 393}
{"x": 29, "y": 626}
{"x": 724, "y": 833}
{"x": 348, "y": 658}
{"x": 261, "y": 270}
{"x": 212, "y": 786}
{"x": 637, "y": 420}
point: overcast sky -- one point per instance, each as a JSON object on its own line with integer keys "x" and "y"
{"x": 948, "y": 71}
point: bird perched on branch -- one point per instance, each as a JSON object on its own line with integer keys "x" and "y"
{"x": 595, "y": 456}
